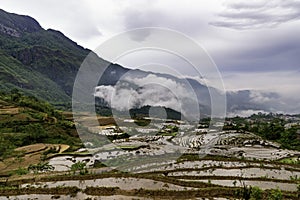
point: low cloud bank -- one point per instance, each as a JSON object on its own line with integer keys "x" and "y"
{"x": 133, "y": 92}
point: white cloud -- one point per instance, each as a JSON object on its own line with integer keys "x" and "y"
{"x": 258, "y": 97}
{"x": 150, "y": 90}
{"x": 276, "y": 91}
{"x": 245, "y": 113}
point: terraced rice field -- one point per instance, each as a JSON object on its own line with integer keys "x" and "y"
{"x": 207, "y": 178}
{"x": 30, "y": 154}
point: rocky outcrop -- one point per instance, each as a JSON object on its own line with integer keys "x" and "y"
{"x": 17, "y": 25}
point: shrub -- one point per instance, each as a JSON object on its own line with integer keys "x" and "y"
{"x": 256, "y": 193}
{"x": 40, "y": 167}
{"x": 21, "y": 171}
{"x": 275, "y": 194}
{"x": 81, "y": 166}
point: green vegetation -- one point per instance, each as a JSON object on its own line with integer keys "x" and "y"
{"x": 244, "y": 192}
{"x": 268, "y": 126}
{"x": 256, "y": 193}
{"x": 25, "y": 120}
{"x": 79, "y": 166}
{"x": 275, "y": 194}
{"x": 21, "y": 171}
{"x": 169, "y": 130}
{"x": 156, "y": 111}
{"x": 293, "y": 160}
{"x": 142, "y": 122}
{"x": 40, "y": 167}
{"x": 42, "y": 63}
{"x": 118, "y": 137}
{"x": 13, "y": 75}
{"x": 12, "y": 191}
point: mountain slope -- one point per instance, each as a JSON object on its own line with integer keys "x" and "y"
{"x": 14, "y": 75}
{"x": 40, "y": 62}
{"x": 16, "y": 25}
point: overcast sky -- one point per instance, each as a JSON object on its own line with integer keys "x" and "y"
{"x": 255, "y": 44}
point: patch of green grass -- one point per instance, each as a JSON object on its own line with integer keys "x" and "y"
{"x": 292, "y": 160}
{"x": 169, "y": 134}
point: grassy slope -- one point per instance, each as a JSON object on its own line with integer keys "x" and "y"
{"x": 14, "y": 75}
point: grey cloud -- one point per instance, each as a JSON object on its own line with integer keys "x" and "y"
{"x": 70, "y": 17}
{"x": 247, "y": 5}
{"x": 262, "y": 50}
{"x": 135, "y": 18}
{"x": 291, "y": 4}
{"x": 88, "y": 31}
{"x": 268, "y": 55}
{"x": 186, "y": 22}
{"x": 248, "y": 101}
{"x": 263, "y": 14}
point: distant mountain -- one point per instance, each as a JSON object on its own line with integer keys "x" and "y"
{"x": 156, "y": 111}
